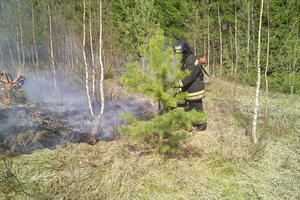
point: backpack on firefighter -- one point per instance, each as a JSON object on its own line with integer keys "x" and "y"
{"x": 200, "y": 62}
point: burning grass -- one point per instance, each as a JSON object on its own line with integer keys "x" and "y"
{"x": 220, "y": 163}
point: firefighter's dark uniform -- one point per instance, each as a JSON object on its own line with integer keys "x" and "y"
{"x": 194, "y": 85}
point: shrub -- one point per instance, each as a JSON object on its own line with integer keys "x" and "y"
{"x": 164, "y": 132}
{"x": 158, "y": 81}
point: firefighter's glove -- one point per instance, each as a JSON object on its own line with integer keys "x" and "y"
{"x": 178, "y": 84}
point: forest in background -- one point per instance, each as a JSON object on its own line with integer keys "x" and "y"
{"x": 47, "y": 35}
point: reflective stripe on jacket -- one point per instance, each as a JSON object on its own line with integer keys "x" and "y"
{"x": 195, "y": 95}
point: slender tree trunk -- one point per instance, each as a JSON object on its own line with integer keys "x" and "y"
{"x": 2, "y": 60}
{"x": 252, "y": 22}
{"x": 71, "y": 60}
{"x": 97, "y": 121}
{"x": 11, "y": 54}
{"x": 256, "y": 107}
{"x": 208, "y": 41}
{"x": 51, "y": 48}
{"x": 92, "y": 50}
{"x": 293, "y": 70}
{"x": 204, "y": 46}
{"x": 18, "y": 47}
{"x": 195, "y": 31}
{"x": 21, "y": 39}
{"x": 221, "y": 41}
{"x": 32, "y": 58}
{"x": 235, "y": 40}
{"x": 267, "y": 66}
{"x": 34, "y": 38}
{"x": 231, "y": 51}
{"x": 101, "y": 63}
{"x": 212, "y": 58}
{"x": 248, "y": 35}
{"x": 195, "y": 48}
{"x": 29, "y": 61}
{"x": 204, "y": 36}
{"x": 85, "y": 62}
{"x": 65, "y": 53}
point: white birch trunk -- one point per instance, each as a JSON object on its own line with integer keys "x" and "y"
{"x": 21, "y": 39}
{"x": 212, "y": 58}
{"x": 235, "y": 41}
{"x": 296, "y": 58}
{"x": 18, "y": 47}
{"x": 253, "y": 26}
{"x": 2, "y": 60}
{"x": 267, "y": 67}
{"x": 231, "y": 50}
{"x": 248, "y": 37}
{"x": 51, "y": 48}
{"x": 221, "y": 42}
{"x": 10, "y": 53}
{"x": 85, "y": 63}
{"x": 195, "y": 31}
{"x": 257, "y": 95}
{"x": 34, "y": 38}
{"x": 92, "y": 51}
{"x": 71, "y": 60}
{"x": 101, "y": 63}
{"x": 33, "y": 58}
{"x": 208, "y": 42}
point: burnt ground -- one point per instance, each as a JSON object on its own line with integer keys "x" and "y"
{"x": 28, "y": 127}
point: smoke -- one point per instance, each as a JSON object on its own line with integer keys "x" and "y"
{"x": 55, "y": 117}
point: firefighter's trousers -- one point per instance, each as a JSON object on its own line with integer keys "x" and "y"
{"x": 198, "y": 106}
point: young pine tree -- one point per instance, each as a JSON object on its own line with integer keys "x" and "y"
{"x": 165, "y": 131}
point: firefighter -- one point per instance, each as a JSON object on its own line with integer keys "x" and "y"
{"x": 193, "y": 83}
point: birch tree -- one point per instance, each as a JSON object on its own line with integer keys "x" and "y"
{"x": 1, "y": 55}
{"x": 92, "y": 50}
{"x": 10, "y": 53}
{"x": 97, "y": 120}
{"x": 18, "y": 48}
{"x": 208, "y": 39}
{"x": 34, "y": 37}
{"x": 21, "y": 38}
{"x": 235, "y": 39}
{"x": 267, "y": 64}
{"x": 221, "y": 41}
{"x": 51, "y": 47}
{"x": 101, "y": 63}
{"x": 85, "y": 61}
{"x": 231, "y": 51}
{"x": 248, "y": 34}
{"x": 257, "y": 94}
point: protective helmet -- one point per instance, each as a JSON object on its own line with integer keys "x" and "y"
{"x": 181, "y": 47}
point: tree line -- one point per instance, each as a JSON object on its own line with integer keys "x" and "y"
{"x": 48, "y": 35}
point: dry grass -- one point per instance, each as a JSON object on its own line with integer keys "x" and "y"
{"x": 220, "y": 163}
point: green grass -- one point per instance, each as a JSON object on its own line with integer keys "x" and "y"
{"x": 220, "y": 163}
